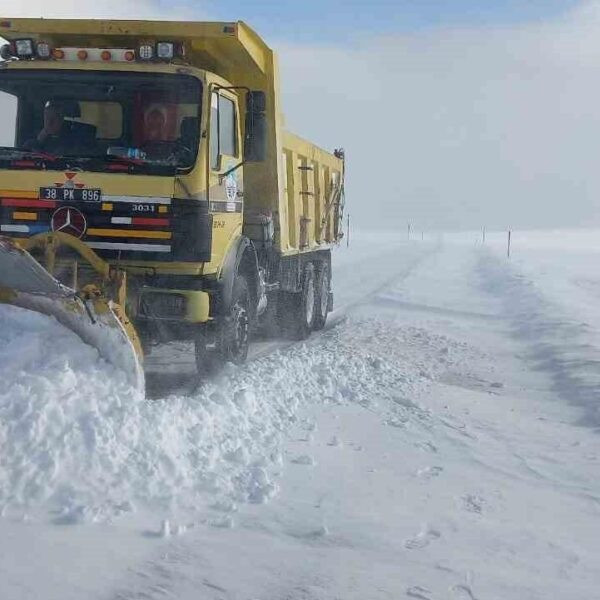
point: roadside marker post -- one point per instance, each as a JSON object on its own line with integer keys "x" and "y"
{"x": 348, "y": 230}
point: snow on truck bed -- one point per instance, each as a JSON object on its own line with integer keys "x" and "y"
{"x": 438, "y": 442}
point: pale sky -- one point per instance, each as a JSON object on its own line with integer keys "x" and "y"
{"x": 454, "y": 115}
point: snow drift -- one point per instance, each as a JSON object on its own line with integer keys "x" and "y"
{"x": 78, "y": 441}
{"x": 551, "y": 310}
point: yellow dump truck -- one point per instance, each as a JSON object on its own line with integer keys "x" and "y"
{"x": 149, "y": 193}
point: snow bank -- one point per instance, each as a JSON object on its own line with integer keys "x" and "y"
{"x": 551, "y": 296}
{"x": 78, "y": 441}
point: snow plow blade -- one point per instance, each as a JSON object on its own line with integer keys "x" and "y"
{"x": 98, "y": 321}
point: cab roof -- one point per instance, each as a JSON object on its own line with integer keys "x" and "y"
{"x": 225, "y": 48}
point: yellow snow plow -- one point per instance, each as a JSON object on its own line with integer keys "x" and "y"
{"x": 93, "y": 307}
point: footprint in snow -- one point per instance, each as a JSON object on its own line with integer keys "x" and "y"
{"x": 473, "y": 503}
{"x": 429, "y": 472}
{"x": 225, "y": 522}
{"x": 304, "y": 459}
{"x": 463, "y": 592}
{"x": 427, "y": 447}
{"x": 418, "y": 592}
{"x": 227, "y": 506}
{"x": 422, "y": 539}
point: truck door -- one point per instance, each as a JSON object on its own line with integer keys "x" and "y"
{"x": 226, "y": 184}
{"x": 226, "y": 189}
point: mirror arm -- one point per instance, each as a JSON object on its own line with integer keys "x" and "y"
{"x": 229, "y": 171}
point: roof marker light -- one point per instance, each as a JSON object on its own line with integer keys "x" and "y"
{"x": 24, "y": 48}
{"x": 106, "y": 55}
{"x": 43, "y": 50}
{"x": 165, "y": 50}
{"x": 129, "y": 55}
{"x": 58, "y": 53}
{"x": 82, "y": 55}
{"x": 146, "y": 52}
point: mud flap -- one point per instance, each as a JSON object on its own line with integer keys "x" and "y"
{"x": 26, "y": 284}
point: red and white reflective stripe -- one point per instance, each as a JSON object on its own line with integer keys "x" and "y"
{"x": 133, "y": 247}
{"x": 137, "y": 199}
{"x": 27, "y": 203}
{"x": 149, "y": 222}
{"x": 15, "y": 228}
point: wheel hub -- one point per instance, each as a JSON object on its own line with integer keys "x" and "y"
{"x": 310, "y": 301}
{"x": 240, "y": 327}
{"x": 324, "y": 293}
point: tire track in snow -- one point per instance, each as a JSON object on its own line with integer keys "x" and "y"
{"x": 185, "y": 380}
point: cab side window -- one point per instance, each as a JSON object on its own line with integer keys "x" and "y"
{"x": 8, "y": 108}
{"x": 227, "y": 141}
{"x": 223, "y": 128}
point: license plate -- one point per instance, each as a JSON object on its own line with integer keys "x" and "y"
{"x": 71, "y": 194}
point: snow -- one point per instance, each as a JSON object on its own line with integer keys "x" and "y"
{"x": 439, "y": 441}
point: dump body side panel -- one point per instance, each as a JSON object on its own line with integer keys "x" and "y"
{"x": 312, "y": 196}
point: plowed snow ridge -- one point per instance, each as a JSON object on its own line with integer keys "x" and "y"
{"x": 76, "y": 439}
{"x": 561, "y": 328}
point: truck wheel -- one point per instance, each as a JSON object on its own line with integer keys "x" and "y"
{"x": 229, "y": 341}
{"x": 303, "y": 307}
{"x": 236, "y": 331}
{"x": 322, "y": 296}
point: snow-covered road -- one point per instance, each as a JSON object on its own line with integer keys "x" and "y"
{"x": 438, "y": 442}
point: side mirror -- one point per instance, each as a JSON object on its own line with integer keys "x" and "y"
{"x": 255, "y": 142}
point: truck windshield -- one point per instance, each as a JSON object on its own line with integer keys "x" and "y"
{"x": 96, "y": 120}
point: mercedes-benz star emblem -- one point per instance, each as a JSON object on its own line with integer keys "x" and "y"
{"x": 69, "y": 220}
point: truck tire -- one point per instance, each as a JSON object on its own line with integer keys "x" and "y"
{"x": 323, "y": 282}
{"x": 303, "y": 305}
{"x": 230, "y": 339}
{"x": 235, "y": 338}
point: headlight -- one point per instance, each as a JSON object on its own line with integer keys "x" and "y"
{"x": 43, "y": 50}
{"x": 24, "y": 48}
{"x": 165, "y": 50}
{"x": 146, "y": 52}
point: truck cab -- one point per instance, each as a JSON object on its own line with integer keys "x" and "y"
{"x": 159, "y": 148}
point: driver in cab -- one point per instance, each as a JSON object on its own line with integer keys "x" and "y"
{"x": 156, "y": 144}
{"x": 54, "y": 136}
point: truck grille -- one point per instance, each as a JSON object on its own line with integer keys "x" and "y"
{"x": 116, "y": 227}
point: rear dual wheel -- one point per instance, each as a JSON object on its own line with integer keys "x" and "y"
{"x": 323, "y": 284}
{"x": 306, "y": 311}
{"x": 303, "y": 305}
